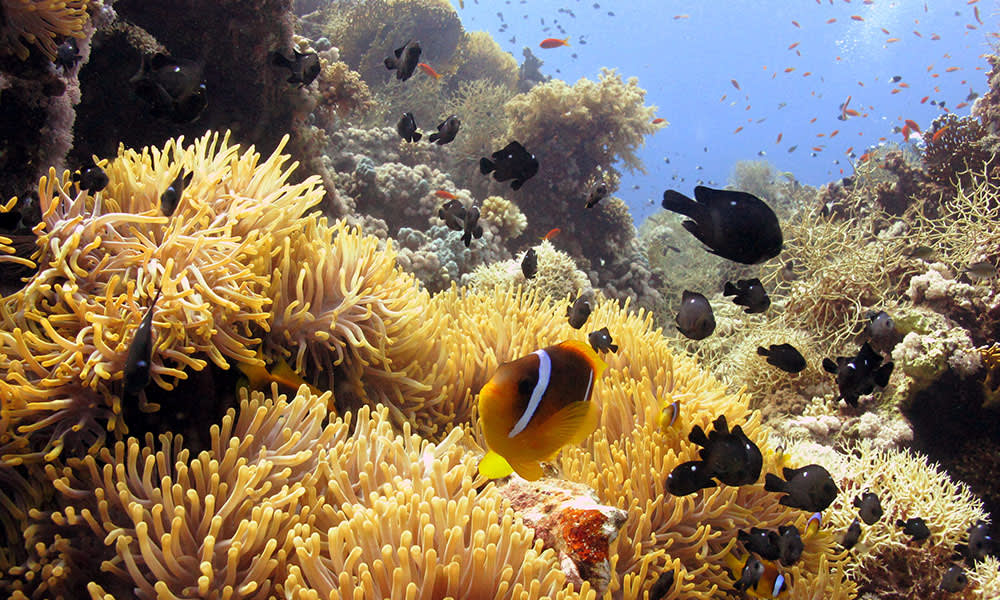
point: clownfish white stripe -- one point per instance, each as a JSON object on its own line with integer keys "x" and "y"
{"x": 544, "y": 373}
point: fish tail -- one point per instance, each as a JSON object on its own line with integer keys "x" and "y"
{"x": 416, "y": 136}
{"x": 280, "y": 60}
{"x": 829, "y": 366}
{"x": 614, "y": 347}
{"x": 516, "y": 184}
{"x": 486, "y": 165}
{"x": 773, "y": 483}
{"x": 433, "y": 137}
{"x": 729, "y": 289}
{"x": 679, "y": 203}
{"x": 762, "y": 351}
{"x": 390, "y": 63}
{"x": 494, "y": 466}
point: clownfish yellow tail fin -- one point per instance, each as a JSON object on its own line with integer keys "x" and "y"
{"x": 494, "y": 466}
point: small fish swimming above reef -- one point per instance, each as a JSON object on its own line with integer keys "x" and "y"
{"x": 471, "y": 226}
{"x": 172, "y": 87}
{"x": 751, "y": 573}
{"x": 881, "y": 331}
{"x": 601, "y": 341}
{"x": 790, "y": 544}
{"x": 510, "y": 162}
{"x": 529, "y": 264}
{"x": 171, "y": 196}
{"x": 453, "y": 215}
{"x": 869, "y": 507}
{"x": 734, "y": 225}
{"x": 689, "y": 477}
{"x": 851, "y": 535}
{"x": 446, "y": 131}
{"x": 535, "y": 405}
{"x": 763, "y": 542}
{"x": 954, "y": 579}
{"x": 91, "y": 178}
{"x": 784, "y": 356}
{"x": 859, "y": 375}
{"x": 406, "y": 127}
{"x": 579, "y": 311}
{"x": 980, "y": 542}
{"x": 749, "y": 293}
{"x": 915, "y": 528}
{"x": 809, "y": 488}
{"x": 304, "y": 67}
{"x": 140, "y": 354}
{"x": 729, "y": 456}
{"x": 404, "y": 60}
{"x": 695, "y": 318}
{"x": 597, "y": 193}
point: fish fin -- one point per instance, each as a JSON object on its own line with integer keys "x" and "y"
{"x": 257, "y": 375}
{"x": 285, "y": 375}
{"x": 678, "y": 203}
{"x": 516, "y": 184}
{"x": 486, "y": 165}
{"x": 494, "y": 466}
{"x": 390, "y": 63}
{"x": 280, "y": 60}
{"x": 587, "y": 352}
{"x": 614, "y": 347}
{"x": 761, "y": 350}
{"x": 883, "y": 374}
{"x": 829, "y": 366}
{"x": 399, "y": 51}
{"x": 530, "y": 471}
{"x": 477, "y": 232}
{"x": 697, "y": 436}
{"x": 773, "y": 483}
{"x": 416, "y": 136}
{"x": 433, "y": 137}
{"x": 187, "y": 178}
{"x": 569, "y": 425}
{"x": 730, "y": 290}
{"x": 590, "y": 423}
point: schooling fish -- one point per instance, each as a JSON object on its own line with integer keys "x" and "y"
{"x": 171, "y": 196}
{"x": 304, "y": 67}
{"x": 763, "y": 542}
{"x": 869, "y": 507}
{"x": 784, "y": 356}
{"x": 404, "y": 60}
{"x": 790, "y": 544}
{"x": 749, "y": 293}
{"x": 172, "y": 87}
{"x": 859, "y": 375}
{"x": 915, "y": 528}
{"x": 446, "y": 131}
{"x": 734, "y": 225}
{"x": 954, "y": 579}
{"x": 535, "y": 405}
{"x": 851, "y": 535}
{"x": 511, "y": 162}
{"x": 729, "y": 456}
{"x": 597, "y": 193}
{"x": 809, "y": 488}
{"x": 579, "y": 311}
{"x": 695, "y": 318}
{"x": 406, "y": 127}
{"x": 601, "y": 341}
{"x": 529, "y": 264}
{"x": 140, "y": 354}
{"x": 91, "y": 178}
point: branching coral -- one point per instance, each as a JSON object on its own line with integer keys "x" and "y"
{"x": 40, "y": 24}
{"x": 342, "y": 93}
{"x": 557, "y": 275}
{"x": 955, "y": 151}
{"x": 479, "y": 57}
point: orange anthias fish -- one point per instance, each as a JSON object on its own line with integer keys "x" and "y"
{"x": 535, "y": 405}
{"x": 445, "y": 194}
{"x": 659, "y": 120}
{"x": 938, "y": 133}
{"x": 259, "y": 378}
{"x": 426, "y": 68}
{"x": 552, "y": 233}
{"x": 913, "y": 125}
{"x": 554, "y": 42}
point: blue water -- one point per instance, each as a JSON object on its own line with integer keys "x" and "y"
{"x": 686, "y": 65}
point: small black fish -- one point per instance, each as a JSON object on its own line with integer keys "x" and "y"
{"x": 954, "y": 579}
{"x": 695, "y": 318}
{"x": 529, "y": 264}
{"x": 762, "y": 542}
{"x": 597, "y": 193}
{"x": 511, "y": 162}
{"x": 859, "y": 375}
{"x": 896, "y": 78}
{"x": 407, "y": 128}
{"x": 784, "y": 356}
{"x": 851, "y": 535}
{"x": 140, "y": 354}
{"x": 404, "y": 60}
{"x": 749, "y": 293}
{"x": 689, "y": 477}
{"x": 67, "y": 54}
{"x": 446, "y": 131}
{"x": 789, "y": 544}
{"x": 304, "y": 67}
{"x": 601, "y": 341}
{"x": 734, "y": 225}
{"x": 881, "y": 329}
{"x": 729, "y": 456}
{"x": 171, "y": 196}
{"x": 453, "y": 215}
{"x": 915, "y": 528}
{"x": 752, "y": 572}
{"x": 579, "y": 311}
{"x": 662, "y": 586}
{"x": 980, "y": 542}
{"x": 809, "y": 488}
{"x": 171, "y": 87}
{"x": 471, "y": 226}
{"x": 91, "y": 178}
{"x": 869, "y": 507}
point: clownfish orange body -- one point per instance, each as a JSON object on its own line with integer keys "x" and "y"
{"x": 535, "y": 405}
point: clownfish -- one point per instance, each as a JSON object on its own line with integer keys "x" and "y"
{"x": 535, "y": 405}
{"x": 259, "y": 378}
{"x": 763, "y": 582}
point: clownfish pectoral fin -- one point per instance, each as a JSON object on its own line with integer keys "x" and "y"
{"x": 571, "y": 425}
{"x": 494, "y": 466}
{"x": 530, "y": 471}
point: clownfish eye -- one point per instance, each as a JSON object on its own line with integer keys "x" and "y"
{"x": 526, "y": 386}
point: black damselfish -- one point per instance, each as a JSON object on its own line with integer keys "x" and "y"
{"x": 915, "y": 528}
{"x": 404, "y": 60}
{"x": 734, "y": 225}
{"x": 784, "y": 356}
{"x": 406, "y": 127}
{"x": 512, "y": 162}
{"x": 171, "y": 87}
{"x": 729, "y": 456}
{"x": 749, "y": 293}
{"x": 446, "y": 131}
{"x": 695, "y": 318}
{"x": 810, "y": 488}
{"x": 529, "y": 264}
{"x": 304, "y": 67}
{"x": 859, "y": 375}
{"x": 140, "y": 354}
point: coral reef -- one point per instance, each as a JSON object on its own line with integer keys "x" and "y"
{"x": 40, "y": 24}
{"x": 480, "y": 58}
{"x": 557, "y": 275}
